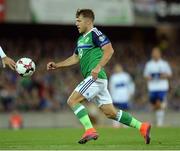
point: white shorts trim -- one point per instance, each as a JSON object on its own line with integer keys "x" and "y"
{"x": 95, "y": 90}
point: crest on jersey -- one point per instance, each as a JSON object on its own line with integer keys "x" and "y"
{"x": 102, "y": 38}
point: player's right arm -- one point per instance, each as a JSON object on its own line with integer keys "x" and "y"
{"x": 74, "y": 59}
{"x": 7, "y": 60}
{"x": 147, "y": 74}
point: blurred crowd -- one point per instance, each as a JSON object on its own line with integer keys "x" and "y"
{"x": 48, "y": 91}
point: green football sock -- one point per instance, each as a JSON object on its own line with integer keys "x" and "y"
{"x": 127, "y": 119}
{"x": 135, "y": 123}
{"x": 82, "y": 114}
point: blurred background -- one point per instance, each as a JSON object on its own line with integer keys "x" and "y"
{"x": 44, "y": 30}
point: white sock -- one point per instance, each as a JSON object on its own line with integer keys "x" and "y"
{"x": 160, "y": 117}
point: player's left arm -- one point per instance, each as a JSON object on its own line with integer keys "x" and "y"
{"x": 107, "y": 54}
{"x": 165, "y": 76}
{"x": 167, "y": 73}
{"x": 100, "y": 40}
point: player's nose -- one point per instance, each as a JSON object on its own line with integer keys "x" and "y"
{"x": 76, "y": 23}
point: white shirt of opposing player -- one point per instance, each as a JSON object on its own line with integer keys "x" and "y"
{"x": 121, "y": 87}
{"x": 157, "y": 67}
{"x": 2, "y": 54}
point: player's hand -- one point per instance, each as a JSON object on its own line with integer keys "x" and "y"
{"x": 51, "y": 66}
{"x": 8, "y": 61}
{"x": 164, "y": 76}
{"x": 95, "y": 72}
{"x": 148, "y": 78}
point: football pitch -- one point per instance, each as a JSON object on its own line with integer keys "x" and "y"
{"x": 66, "y": 139}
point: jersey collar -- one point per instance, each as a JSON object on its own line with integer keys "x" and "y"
{"x": 157, "y": 60}
{"x": 88, "y": 32}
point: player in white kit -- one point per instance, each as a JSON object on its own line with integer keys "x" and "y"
{"x": 121, "y": 88}
{"x": 157, "y": 73}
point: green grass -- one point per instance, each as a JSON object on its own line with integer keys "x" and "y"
{"x": 66, "y": 138}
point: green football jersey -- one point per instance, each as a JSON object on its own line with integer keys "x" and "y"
{"x": 90, "y": 53}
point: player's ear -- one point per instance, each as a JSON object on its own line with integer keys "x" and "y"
{"x": 89, "y": 21}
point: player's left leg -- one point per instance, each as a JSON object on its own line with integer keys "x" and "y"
{"x": 158, "y": 99}
{"x": 123, "y": 106}
{"x": 160, "y": 106}
{"x": 82, "y": 114}
{"x": 123, "y": 117}
{"x": 104, "y": 101}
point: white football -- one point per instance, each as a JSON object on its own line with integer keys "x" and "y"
{"x": 25, "y": 67}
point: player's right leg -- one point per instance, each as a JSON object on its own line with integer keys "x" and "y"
{"x": 81, "y": 112}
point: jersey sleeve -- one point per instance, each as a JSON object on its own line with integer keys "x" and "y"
{"x": 99, "y": 39}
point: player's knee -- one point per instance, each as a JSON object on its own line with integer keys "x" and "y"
{"x": 157, "y": 105}
{"x": 71, "y": 102}
{"x": 110, "y": 115}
